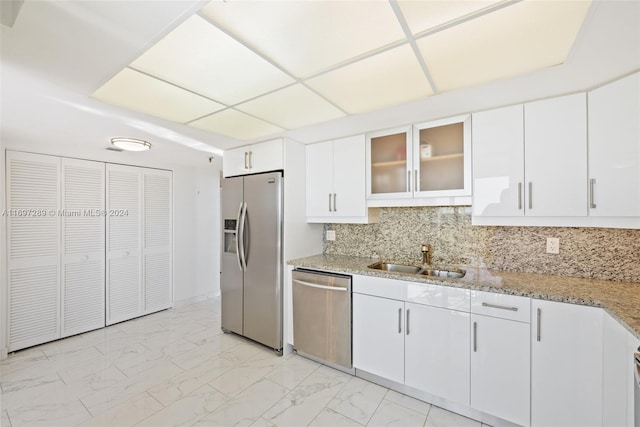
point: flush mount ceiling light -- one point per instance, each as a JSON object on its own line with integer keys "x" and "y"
{"x": 131, "y": 144}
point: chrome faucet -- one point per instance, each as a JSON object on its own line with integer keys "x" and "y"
{"x": 426, "y": 254}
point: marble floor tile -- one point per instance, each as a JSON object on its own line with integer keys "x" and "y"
{"x": 180, "y": 385}
{"x": 46, "y": 415}
{"x": 392, "y": 414}
{"x": 330, "y": 418}
{"x": 308, "y": 399}
{"x": 177, "y": 368}
{"x": 127, "y": 413}
{"x": 4, "y": 419}
{"x": 247, "y": 407}
{"x": 439, "y": 417}
{"x": 408, "y": 402}
{"x": 187, "y": 410}
{"x": 358, "y": 400}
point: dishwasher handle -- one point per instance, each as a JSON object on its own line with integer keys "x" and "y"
{"x": 314, "y": 285}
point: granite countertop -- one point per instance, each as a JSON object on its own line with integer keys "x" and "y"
{"x": 620, "y": 299}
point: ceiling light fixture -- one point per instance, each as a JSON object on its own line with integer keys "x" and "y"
{"x": 131, "y": 144}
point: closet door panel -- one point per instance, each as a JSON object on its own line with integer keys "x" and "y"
{"x": 33, "y": 249}
{"x": 124, "y": 243}
{"x": 158, "y": 292}
{"x": 83, "y": 246}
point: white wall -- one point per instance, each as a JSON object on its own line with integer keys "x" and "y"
{"x": 196, "y": 217}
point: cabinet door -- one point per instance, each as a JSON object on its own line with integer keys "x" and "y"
{"x": 266, "y": 156}
{"x": 83, "y": 246}
{"x": 124, "y": 243}
{"x": 614, "y": 148}
{"x": 437, "y": 351}
{"x": 235, "y": 162}
{"x": 349, "y": 173}
{"x": 378, "y": 336}
{"x": 33, "y": 249}
{"x": 566, "y": 364}
{"x": 556, "y": 156}
{"x": 498, "y": 162}
{"x": 319, "y": 160}
{"x": 389, "y": 164}
{"x": 157, "y": 259}
{"x": 500, "y": 362}
{"x": 442, "y": 158}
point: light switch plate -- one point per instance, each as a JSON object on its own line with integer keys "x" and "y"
{"x": 553, "y": 245}
{"x": 331, "y": 235}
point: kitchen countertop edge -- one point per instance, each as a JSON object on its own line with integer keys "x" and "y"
{"x": 619, "y": 299}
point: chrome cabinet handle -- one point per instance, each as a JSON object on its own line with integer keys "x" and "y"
{"x": 409, "y": 181}
{"x": 330, "y": 203}
{"x": 250, "y": 159}
{"x": 592, "y": 183}
{"x": 415, "y": 181}
{"x": 530, "y": 195}
{"x": 335, "y": 205}
{"x": 407, "y": 324}
{"x": 399, "y": 320}
{"x": 519, "y": 196}
{"x": 501, "y": 307}
{"x": 475, "y": 336}
{"x": 539, "y": 317}
{"x": 246, "y": 157}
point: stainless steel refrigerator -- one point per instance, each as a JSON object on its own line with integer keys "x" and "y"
{"x": 251, "y": 257}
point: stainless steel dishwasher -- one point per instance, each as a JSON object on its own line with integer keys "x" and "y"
{"x": 322, "y": 317}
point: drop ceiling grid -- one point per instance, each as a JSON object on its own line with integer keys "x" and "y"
{"x": 322, "y": 60}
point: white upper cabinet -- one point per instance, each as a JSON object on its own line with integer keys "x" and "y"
{"x": 614, "y": 149}
{"x": 256, "y": 158}
{"x": 531, "y": 161}
{"x": 555, "y": 153}
{"x": 336, "y": 181}
{"x": 426, "y": 164}
{"x": 498, "y": 162}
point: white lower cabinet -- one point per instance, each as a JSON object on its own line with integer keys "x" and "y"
{"x": 500, "y": 355}
{"x": 437, "y": 351}
{"x": 378, "y": 336}
{"x": 566, "y": 364}
{"x": 500, "y": 368}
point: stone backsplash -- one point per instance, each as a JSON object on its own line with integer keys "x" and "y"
{"x": 601, "y": 253}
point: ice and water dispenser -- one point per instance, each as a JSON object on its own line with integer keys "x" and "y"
{"x": 230, "y": 236}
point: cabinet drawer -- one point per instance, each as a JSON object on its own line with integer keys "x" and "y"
{"x": 501, "y": 305}
{"x": 380, "y": 287}
{"x": 438, "y": 296}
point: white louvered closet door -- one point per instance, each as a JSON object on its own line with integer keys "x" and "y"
{"x": 124, "y": 243}
{"x": 158, "y": 291}
{"x": 83, "y": 246}
{"x": 33, "y": 259}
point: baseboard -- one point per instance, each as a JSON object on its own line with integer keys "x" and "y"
{"x": 193, "y": 300}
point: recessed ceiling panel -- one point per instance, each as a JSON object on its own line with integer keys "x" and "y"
{"x": 139, "y": 92}
{"x": 292, "y": 107}
{"x": 200, "y": 57}
{"x": 306, "y": 37}
{"x": 236, "y": 125}
{"x": 389, "y": 78}
{"x": 426, "y": 15}
{"x": 520, "y": 38}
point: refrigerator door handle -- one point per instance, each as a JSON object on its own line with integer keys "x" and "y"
{"x": 240, "y": 237}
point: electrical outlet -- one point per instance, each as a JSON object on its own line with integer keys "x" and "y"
{"x": 331, "y": 235}
{"x": 553, "y": 245}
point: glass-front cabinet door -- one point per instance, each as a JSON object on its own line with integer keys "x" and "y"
{"x": 442, "y": 157}
{"x": 389, "y": 164}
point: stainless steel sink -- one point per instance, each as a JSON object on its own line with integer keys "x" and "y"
{"x": 422, "y": 271}
{"x": 398, "y": 268}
